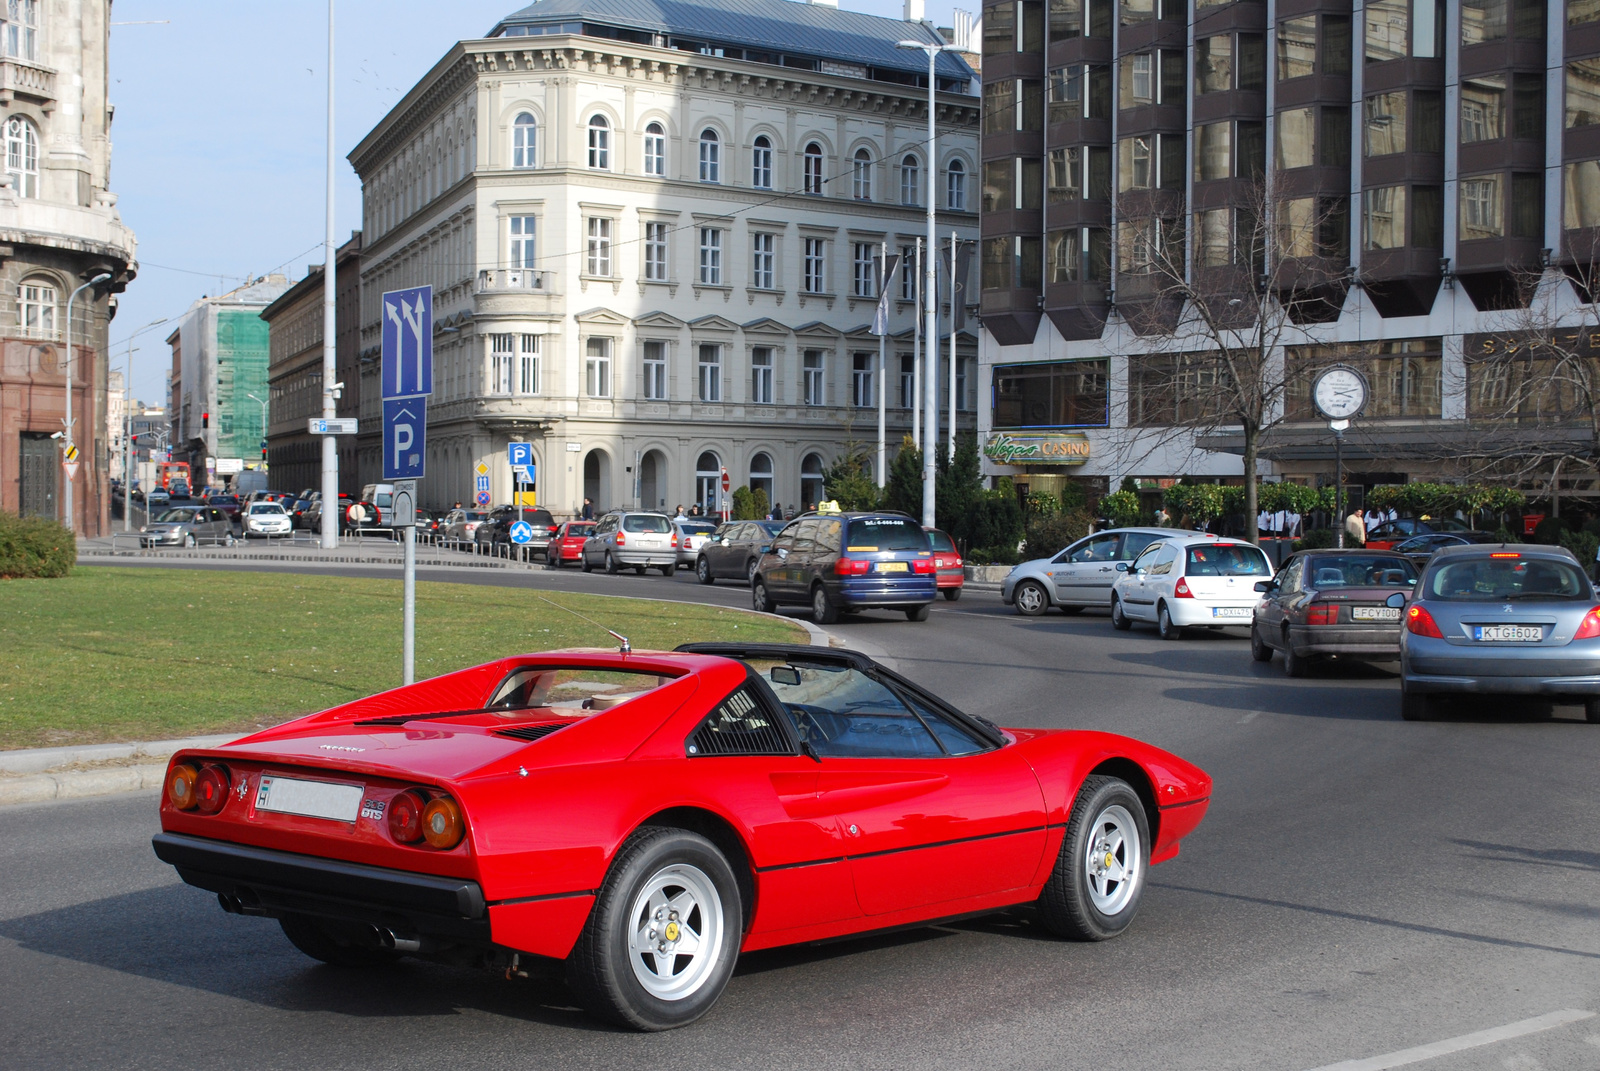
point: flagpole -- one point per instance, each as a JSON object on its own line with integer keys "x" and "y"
{"x": 953, "y": 298}
{"x": 916, "y": 354}
{"x": 883, "y": 368}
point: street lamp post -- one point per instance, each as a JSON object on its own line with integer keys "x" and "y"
{"x": 930, "y": 285}
{"x": 73, "y": 297}
{"x": 330, "y": 366}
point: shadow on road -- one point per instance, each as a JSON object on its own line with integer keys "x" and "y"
{"x": 1563, "y": 858}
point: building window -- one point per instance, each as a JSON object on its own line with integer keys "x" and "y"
{"x": 1213, "y": 151}
{"x": 710, "y": 156}
{"x": 523, "y": 250}
{"x": 864, "y": 273}
{"x": 1176, "y": 388}
{"x": 761, "y": 474}
{"x": 655, "y": 371}
{"x": 1065, "y": 89}
{"x": 761, "y": 260}
{"x": 1527, "y": 106}
{"x": 655, "y": 252}
{"x": 1138, "y": 79}
{"x": 1583, "y": 95}
{"x": 528, "y": 365}
{"x": 500, "y": 357}
{"x": 956, "y": 187}
{"x": 597, "y": 368}
{"x": 22, "y": 156}
{"x": 1581, "y": 204}
{"x": 524, "y": 141}
{"x": 36, "y": 308}
{"x": 910, "y": 181}
{"x": 1384, "y": 124}
{"x": 1483, "y": 20}
{"x": 1527, "y": 205}
{"x": 707, "y": 481}
{"x": 861, "y": 176}
{"x": 711, "y": 256}
{"x": 761, "y": 163}
{"x": 1297, "y": 47}
{"x": 599, "y": 260}
{"x": 1214, "y": 237}
{"x": 811, "y": 181}
{"x": 1066, "y": 394}
{"x": 813, "y": 279}
{"x": 861, "y": 380}
{"x": 710, "y": 372}
{"x": 21, "y": 29}
{"x": 1482, "y": 109}
{"x": 908, "y": 273}
{"x": 1213, "y": 64}
{"x": 1405, "y": 377}
{"x": 1388, "y": 23}
{"x": 962, "y": 403}
{"x": 1064, "y": 248}
{"x": 1383, "y": 218}
{"x": 811, "y": 381}
{"x": 1296, "y": 141}
{"x": 1136, "y": 170}
{"x": 908, "y": 381}
{"x": 655, "y": 150}
{"x": 761, "y": 375}
{"x": 1480, "y": 208}
{"x": 599, "y": 143}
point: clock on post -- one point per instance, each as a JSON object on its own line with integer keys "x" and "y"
{"x": 1339, "y": 393}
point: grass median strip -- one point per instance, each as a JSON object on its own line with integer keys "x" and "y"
{"x": 112, "y": 654}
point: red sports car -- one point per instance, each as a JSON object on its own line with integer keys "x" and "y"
{"x": 646, "y": 817}
{"x": 566, "y": 545}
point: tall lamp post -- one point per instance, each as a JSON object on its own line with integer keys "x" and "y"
{"x": 127, "y": 431}
{"x": 71, "y": 299}
{"x": 930, "y": 285}
{"x": 330, "y": 366}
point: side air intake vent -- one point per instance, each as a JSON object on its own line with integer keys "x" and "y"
{"x": 532, "y": 732}
{"x": 739, "y": 726}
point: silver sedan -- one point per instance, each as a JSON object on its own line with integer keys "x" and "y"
{"x": 1080, "y": 576}
{"x": 1501, "y": 620}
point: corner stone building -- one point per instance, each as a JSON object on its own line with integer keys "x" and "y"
{"x": 651, "y": 245}
{"x": 59, "y": 227}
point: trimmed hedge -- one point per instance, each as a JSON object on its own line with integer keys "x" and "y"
{"x": 34, "y": 547}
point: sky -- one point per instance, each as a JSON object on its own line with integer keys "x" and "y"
{"x": 219, "y": 140}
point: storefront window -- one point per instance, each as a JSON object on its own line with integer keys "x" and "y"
{"x": 1177, "y": 388}
{"x": 1404, "y": 377}
{"x": 1511, "y": 378}
{"x": 1069, "y": 394}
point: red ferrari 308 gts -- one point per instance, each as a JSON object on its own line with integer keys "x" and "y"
{"x": 647, "y": 816}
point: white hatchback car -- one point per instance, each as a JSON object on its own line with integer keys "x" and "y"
{"x": 1190, "y": 580}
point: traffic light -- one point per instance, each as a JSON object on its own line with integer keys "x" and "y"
{"x": 263, "y": 453}
{"x": 205, "y": 420}
{"x": 135, "y": 440}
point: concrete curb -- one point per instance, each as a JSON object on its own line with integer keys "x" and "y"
{"x": 43, "y": 779}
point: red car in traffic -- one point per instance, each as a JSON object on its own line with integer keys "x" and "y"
{"x": 566, "y": 545}
{"x": 646, "y": 817}
{"x": 950, "y": 570}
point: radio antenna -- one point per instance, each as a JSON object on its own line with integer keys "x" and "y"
{"x": 624, "y": 647}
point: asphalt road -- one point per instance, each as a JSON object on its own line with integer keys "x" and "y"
{"x": 1361, "y": 886}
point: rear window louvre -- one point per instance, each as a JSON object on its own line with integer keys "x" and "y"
{"x": 739, "y": 726}
{"x": 532, "y": 732}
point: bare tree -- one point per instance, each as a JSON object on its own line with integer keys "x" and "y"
{"x": 1215, "y": 298}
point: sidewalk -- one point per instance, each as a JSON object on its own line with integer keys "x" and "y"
{"x": 301, "y": 548}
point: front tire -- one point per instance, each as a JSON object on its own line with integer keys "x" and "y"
{"x": 1258, "y": 647}
{"x": 583, "y": 560}
{"x": 335, "y": 945}
{"x": 189, "y": 540}
{"x": 1119, "y": 619}
{"x": 1417, "y": 706}
{"x": 759, "y": 600}
{"x": 228, "y": 540}
{"x": 1164, "y": 626}
{"x": 1094, "y": 892}
{"x": 1031, "y": 598}
{"x": 663, "y": 938}
{"x": 823, "y": 612}
{"x": 917, "y": 613}
{"x": 702, "y": 571}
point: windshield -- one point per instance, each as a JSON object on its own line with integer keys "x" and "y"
{"x": 646, "y": 522}
{"x": 886, "y": 533}
{"x": 176, "y": 516}
{"x": 1359, "y": 571}
{"x": 1227, "y": 559}
{"x": 266, "y": 507}
{"x": 1492, "y": 578}
{"x": 940, "y": 541}
{"x": 580, "y": 528}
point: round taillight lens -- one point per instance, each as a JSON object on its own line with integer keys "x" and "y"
{"x": 405, "y": 816}
{"x": 180, "y": 786}
{"x": 441, "y": 823}
{"x": 211, "y": 789}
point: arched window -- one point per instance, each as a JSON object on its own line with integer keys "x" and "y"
{"x": 956, "y": 187}
{"x": 812, "y": 182}
{"x": 710, "y": 156}
{"x": 524, "y": 141}
{"x": 761, "y": 475}
{"x": 599, "y": 143}
{"x": 811, "y": 481}
{"x": 761, "y": 164}
{"x": 22, "y": 156}
{"x": 861, "y": 176}
{"x": 36, "y": 307}
{"x": 707, "y": 481}
{"x": 910, "y": 181}
{"x": 655, "y": 150}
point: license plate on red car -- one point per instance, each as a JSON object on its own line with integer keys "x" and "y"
{"x": 1508, "y": 633}
{"x": 311, "y": 799}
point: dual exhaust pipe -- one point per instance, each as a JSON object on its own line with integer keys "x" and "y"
{"x": 245, "y": 902}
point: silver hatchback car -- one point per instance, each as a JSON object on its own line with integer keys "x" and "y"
{"x": 187, "y": 526}
{"x": 1501, "y": 620}
{"x": 1079, "y": 576}
{"x": 634, "y": 538}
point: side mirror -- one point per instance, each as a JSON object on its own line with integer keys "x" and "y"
{"x": 766, "y": 548}
{"x": 783, "y": 552}
{"x": 1122, "y": 567}
{"x": 1265, "y": 585}
{"x": 1395, "y": 601}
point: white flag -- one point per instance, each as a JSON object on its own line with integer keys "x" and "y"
{"x": 880, "y": 319}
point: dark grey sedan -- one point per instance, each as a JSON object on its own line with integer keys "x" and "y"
{"x": 187, "y": 526}
{"x": 1501, "y": 620}
{"x": 733, "y": 550}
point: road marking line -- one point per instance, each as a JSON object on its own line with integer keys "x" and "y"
{"x": 1248, "y": 718}
{"x": 1548, "y": 1021}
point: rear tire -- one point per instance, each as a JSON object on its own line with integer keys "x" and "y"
{"x": 330, "y": 945}
{"x": 1294, "y": 665}
{"x": 1164, "y": 626}
{"x": 638, "y": 570}
{"x": 952, "y": 594}
{"x": 1591, "y": 711}
{"x": 1119, "y": 620}
{"x": 823, "y": 612}
{"x": 1086, "y": 899}
{"x": 668, "y": 570}
{"x": 1258, "y": 647}
{"x": 759, "y": 600}
{"x": 1416, "y": 706}
{"x": 678, "y": 881}
{"x": 1030, "y": 598}
{"x": 611, "y": 564}
{"x": 917, "y": 613}
{"x": 702, "y": 571}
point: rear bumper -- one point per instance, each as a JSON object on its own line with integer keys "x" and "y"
{"x": 261, "y": 881}
{"x": 869, "y": 592}
{"x": 630, "y": 556}
{"x": 1197, "y": 612}
{"x": 1370, "y": 645}
{"x": 1432, "y": 684}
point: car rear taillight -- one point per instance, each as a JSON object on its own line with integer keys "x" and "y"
{"x": 180, "y": 786}
{"x": 405, "y": 816}
{"x": 441, "y": 823}
{"x": 675, "y": 540}
{"x": 924, "y": 565}
{"x": 1590, "y": 628}
{"x": 622, "y": 540}
{"x": 1505, "y": 554}
{"x": 1181, "y": 590}
{"x": 211, "y": 789}
{"x": 852, "y": 566}
{"x": 1421, "y": 623}
{"x": 1322, "y": 613}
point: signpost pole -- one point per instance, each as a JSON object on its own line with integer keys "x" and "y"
{"x": 1338, "y": 479}
{"x": 409, "y": 613}
{"x": 883, "y": 370}
{"x": 330, "y": 330}
{"x": 954, "y": 297}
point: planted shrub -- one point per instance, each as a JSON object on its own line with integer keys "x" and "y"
{"x": 34, "y": 547}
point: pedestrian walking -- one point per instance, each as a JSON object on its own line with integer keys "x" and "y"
{"x": 1355, "y": 527}
{"x": 588, "y": 510}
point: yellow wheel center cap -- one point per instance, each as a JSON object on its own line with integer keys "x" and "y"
{"x": 672, "y": 931}
{"x": 1111, "y": 860}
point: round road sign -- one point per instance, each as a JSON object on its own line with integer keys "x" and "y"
{"x": 724, "y": 479}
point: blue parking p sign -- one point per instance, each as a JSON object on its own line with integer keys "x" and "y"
{"x": 407, "y": 345}
{"x": 519, "y": 454}
{"x": 405, "y": 437}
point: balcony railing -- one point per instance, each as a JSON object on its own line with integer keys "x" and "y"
{"x": 29, "y": 79}
{"x": 514, "y": 279}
